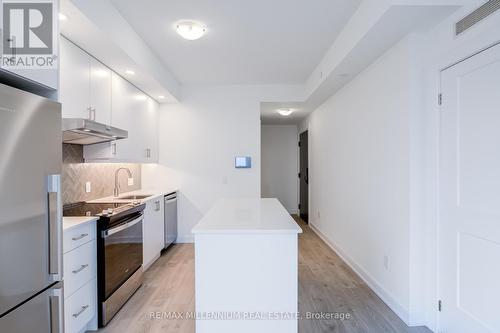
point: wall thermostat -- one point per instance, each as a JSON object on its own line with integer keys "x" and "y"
{"x": 242, "y": 162}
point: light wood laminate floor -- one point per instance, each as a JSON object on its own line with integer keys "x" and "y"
{"x": 326, "y": 284}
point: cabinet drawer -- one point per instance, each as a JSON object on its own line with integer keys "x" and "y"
{"x": 80, "y": 308}
{"x": 79, "y": 267}
{"x": 77, "y": 236}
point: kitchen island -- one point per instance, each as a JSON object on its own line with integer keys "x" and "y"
{"x": 246, "y": 275}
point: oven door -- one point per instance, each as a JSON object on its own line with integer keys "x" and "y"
{"x": 122, "y": 253}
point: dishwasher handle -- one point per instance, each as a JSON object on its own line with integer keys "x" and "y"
{"x": 171, "y": 198}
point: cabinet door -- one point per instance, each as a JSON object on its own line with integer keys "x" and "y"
{"x": 152, "y": 117}
{"x": 153, "y": 231}
{"x": 75, "y": 81}
{"x": 100, "y": 92}
{"x": 126, "y": 115}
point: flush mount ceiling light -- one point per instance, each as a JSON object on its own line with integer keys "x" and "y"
{"x": 62, "y": 17}
{"x": 285, "y": 112}
{"x": 190, "y": 30}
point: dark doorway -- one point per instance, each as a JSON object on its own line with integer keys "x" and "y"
{"x": 304, "y": 177}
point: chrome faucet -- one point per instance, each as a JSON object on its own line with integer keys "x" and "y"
{"x": 116, "y": 191}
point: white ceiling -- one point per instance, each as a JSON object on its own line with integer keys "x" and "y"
{"x": 248, "y": 42}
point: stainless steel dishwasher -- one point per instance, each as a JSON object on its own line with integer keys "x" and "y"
{"x": 170, "y": 218}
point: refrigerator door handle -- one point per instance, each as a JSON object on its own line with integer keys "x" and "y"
{"x": 57, "y": 309}
{"x": 55, "y": 226}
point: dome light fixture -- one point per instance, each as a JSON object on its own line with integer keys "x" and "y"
{"x": 285, "y": 112}
{"x": 190, "y": 30}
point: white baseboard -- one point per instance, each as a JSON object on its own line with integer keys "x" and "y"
{"x": 386, "y": 297}
{"x": 185, "y": 239}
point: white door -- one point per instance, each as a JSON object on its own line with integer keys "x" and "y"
{"x": 75, "y": 81}
{"x": 469, "y": 259}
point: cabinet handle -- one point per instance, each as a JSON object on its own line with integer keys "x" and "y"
{"x": 79, "y": 237}
{"x": 82, "y": 267}
{"x": 113, "y": 148}
{"x": 157, "y": 203}
{"x": 82, "y": 310}
{"x": 148, "y": 152}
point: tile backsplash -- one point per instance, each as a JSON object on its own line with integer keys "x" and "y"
{"x": 75, "y": 173}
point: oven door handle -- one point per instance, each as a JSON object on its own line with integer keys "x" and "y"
{"x": 121, "y": 227}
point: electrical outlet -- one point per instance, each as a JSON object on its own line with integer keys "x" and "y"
{"x": 131, "y": 181}
{"x": 387, "y": 263}
{"x": 88, "y": 187}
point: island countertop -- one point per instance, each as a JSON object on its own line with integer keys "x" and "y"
{"x": 244, "y": 215}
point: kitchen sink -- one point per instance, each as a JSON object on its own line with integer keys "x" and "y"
{"x": 134, "y": 197}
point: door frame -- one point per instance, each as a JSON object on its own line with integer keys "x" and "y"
{"x": 305, "y": 131}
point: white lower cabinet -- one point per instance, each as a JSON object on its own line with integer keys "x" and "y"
{"x": 153, "y": 229}
{"x": 80, "y": 308}
{"x": 80, "y": 278}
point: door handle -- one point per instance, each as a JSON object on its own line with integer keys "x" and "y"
{"x": 56, "y": 309}
{"x": 79, "y": 237}
{"x": 55, "y": 225}
{"x": 82, "y": 267}
{"x": 82, "y": 310}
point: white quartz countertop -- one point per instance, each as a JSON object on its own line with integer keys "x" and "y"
{"x": 152, "y": 194}
{"x": 71, "y": 222}
{"x": 241, "y": 215}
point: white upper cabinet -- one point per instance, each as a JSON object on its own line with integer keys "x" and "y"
{"x": 85, "y": 90}
{"x": 90, "y": 90}
{"x": 75, "y": 81}
{"x": 100, "y": 92}
{"x": 152, "y": 129}
{"x": 137, "y": 113}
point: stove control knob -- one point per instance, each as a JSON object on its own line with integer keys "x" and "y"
{"x": 110, "y": 210}
{"x": 105, "y": 212}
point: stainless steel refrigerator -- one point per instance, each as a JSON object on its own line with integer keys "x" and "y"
{"x": 31, "y": 297}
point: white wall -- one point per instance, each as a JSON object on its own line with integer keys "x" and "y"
{"x": 359, "y": 173}
{"x": 438, "y": 49}
{"x": 279, "y": 164}
{"x": 199, "y": 139}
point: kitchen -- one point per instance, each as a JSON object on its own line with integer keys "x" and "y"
{"x": 186, "y": 166}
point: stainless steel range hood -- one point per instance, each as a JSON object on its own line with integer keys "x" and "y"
{"x": 80, "y": 131}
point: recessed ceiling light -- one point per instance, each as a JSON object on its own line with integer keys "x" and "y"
{"x": 62, "y": 17}
{"x": 190, "y": 30}
{"x": 140, "y": 97}
{"x": 129, "y": 72}
{"x": 285, "y": 112}
{"x": 161, "y": 97}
